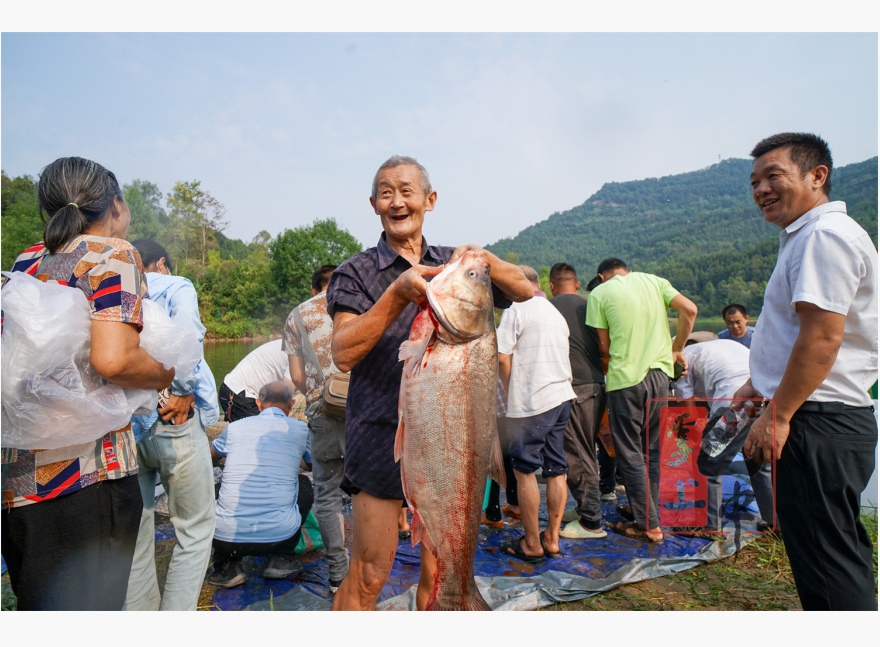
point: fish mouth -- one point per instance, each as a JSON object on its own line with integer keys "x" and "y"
{"x": 438, "y": 312}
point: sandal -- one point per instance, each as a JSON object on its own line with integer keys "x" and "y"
{"x": 630, "y": 530}
{"x": 625, "y": 511}
{"x": 506, "y": 510}
{"x": 513, "y": 548}
{"x": 492, "y": 524}
{"x": 547, "y": 553}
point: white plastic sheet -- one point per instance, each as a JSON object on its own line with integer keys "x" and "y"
{"x": 51, "y": 395}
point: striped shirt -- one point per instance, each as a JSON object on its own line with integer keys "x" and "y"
{"x": 371, "y": 410}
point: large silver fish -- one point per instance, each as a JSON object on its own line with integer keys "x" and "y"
{"x": 447, "y": 441}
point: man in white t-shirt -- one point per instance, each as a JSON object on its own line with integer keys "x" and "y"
{"x": 238, "y": 393}
{"x": 534, "y": 366}
{"x": 716, "y": 369}
{"x": 814, "y": 353}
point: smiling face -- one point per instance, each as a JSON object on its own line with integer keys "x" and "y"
{"x": 401, "y": 203}
{"x": 780, "y": 192}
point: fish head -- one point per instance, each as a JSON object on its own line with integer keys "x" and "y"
{"x": 461, "y": 297}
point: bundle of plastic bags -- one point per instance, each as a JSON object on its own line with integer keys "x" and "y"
{"x": 51, "y": 395}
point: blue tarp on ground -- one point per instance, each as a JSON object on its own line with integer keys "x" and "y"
{"x": 587, "y": 567}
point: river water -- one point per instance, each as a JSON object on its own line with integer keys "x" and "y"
{"x": 222, "y": 356}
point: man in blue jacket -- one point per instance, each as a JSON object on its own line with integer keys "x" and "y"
{"x": 175, "y": 449}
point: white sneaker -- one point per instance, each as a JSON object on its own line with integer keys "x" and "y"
{"x": 575, "y": 530}
{"x": 570, "y": 515}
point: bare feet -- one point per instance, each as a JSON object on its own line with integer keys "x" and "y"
{"x": 403, "y": 521}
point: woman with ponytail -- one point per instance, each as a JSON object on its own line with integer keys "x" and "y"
{"x": 70, "y": 516}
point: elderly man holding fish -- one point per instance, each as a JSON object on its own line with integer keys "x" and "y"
{"x": 374, "y": 298}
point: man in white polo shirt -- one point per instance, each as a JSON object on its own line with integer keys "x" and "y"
{"x": 716, "y": 369}
{"x": 814, "y": 352}
{"x": 533, "y": 364}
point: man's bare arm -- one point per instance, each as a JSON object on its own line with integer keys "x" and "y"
{"x": 356, "y": 335}
{"x": 604, "y": 348}
{"x": 504, "y": 362}
{"x": 507, "y": 276}
{"x": 687, "y": 315}
{"x": 297, "y": 373}
{"x": 810, "y": 362}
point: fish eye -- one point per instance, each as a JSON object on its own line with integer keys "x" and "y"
{"x": 472, "y": 274}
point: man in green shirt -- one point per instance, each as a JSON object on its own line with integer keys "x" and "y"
{"x": 628, "y": 311}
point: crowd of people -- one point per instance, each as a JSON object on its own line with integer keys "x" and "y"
{"x": 78, "y": 522}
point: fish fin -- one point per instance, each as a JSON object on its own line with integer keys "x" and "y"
{"x": 398, "y": 439}
{"x": 496, "y": 464}
{"x": 411, "y": 353}
{"x": 420, "y": 533}
{"x": 479, "y": 604}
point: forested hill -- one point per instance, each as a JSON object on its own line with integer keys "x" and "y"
{"x": 700, "y": 230}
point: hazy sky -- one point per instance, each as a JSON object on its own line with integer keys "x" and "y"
{"x": 286, "y": 128}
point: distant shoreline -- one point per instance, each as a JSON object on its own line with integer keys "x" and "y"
{"x": 211, "y": 340}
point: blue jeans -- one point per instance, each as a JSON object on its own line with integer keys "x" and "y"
{"x": 181, "y": 458}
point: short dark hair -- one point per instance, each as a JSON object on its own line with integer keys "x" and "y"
{"x": 733, "y": 307}
{"x": 562, "y": 272}
{"x": 610, "y": 264}
{"x": 321, "y": 277}
{"x": 595, "y": 282}
{"x": 807, "y": 151}
{"x": 151, "y": 252}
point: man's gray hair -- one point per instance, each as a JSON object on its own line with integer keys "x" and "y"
{"x": 403, "y": 160}
{"x": 276, "y": 393}
{"x": 530, "y": 273}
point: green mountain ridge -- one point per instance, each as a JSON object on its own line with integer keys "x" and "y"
{"x": 701, "y": 230}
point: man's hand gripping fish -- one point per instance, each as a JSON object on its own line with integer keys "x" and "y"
{"x": 447, "y": 441}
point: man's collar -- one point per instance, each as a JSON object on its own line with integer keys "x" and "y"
{"x": 387, "y": 255}
{"x": 272, "y": 411}
{"x": 815, "y": 212}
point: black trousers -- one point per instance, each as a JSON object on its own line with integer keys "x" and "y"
{"x": 74, "y": 553}
{"x": 607, "y": 470}
{"x": 226, "y": 550}
{"x": 235, "y": 406}
{"x": 510, "y": 491}
{"x": 825, "y": 465}
{"x": 635, "y": 430}
{"x": 580, "y": 447}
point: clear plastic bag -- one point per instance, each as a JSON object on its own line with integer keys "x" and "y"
{"x": 51, "y": 395}
{"x": 166, "y": 342}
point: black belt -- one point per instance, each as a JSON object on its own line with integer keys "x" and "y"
{"x": 829, "y": 407}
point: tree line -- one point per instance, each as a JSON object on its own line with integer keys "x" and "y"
{"x": 245, "y": 289}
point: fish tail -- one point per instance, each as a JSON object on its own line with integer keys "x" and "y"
{"x": 478, "y": 604}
